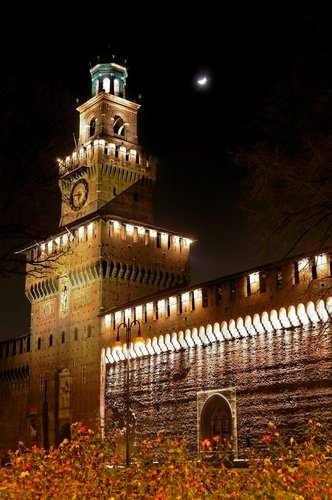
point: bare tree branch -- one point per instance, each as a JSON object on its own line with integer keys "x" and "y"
{"x": 287, "y": 193}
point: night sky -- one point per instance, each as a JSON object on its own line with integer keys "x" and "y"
{"x": 243, "y": 50}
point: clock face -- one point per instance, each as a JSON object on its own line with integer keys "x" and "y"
{"x": 79, "y": 194}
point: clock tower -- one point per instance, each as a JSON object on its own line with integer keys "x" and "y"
{"x": 107, "y": 252}
{"x": 107, "y": 159}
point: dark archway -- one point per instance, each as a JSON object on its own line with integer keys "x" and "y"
{"x": 92, "y": 127}
{"x": 119, "y": 126}
{"x": 216, "y": 418}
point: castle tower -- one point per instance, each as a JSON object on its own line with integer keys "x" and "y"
{"x": 107, "y": 252}
{"x": 108, "y": 159}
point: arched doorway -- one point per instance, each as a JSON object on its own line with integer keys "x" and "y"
{"x": 216, "y": 420}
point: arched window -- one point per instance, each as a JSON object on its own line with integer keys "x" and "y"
{"x": 76, "y": 334}
{"x": 107, "y": 85}
{"x": 92, "y": 127}
{"x": 39, "y": 343}
{"x": 63, "y": 337}
{"x": 50, "y": 341}
{"x": 118, "y": 126}
{"x": 116, "y": 86}
{"x": 216, "y": 419}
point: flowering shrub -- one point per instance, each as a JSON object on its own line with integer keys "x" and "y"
{"x": 218, "y": 450}
{"x": 87, "y": 467}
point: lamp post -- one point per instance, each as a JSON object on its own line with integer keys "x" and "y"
{"x": 128, "y": 326}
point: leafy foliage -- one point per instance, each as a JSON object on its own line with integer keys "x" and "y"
{"x": 88, "y": 467}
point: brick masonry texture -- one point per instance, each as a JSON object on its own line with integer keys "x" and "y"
{"x": 284, "y": 376}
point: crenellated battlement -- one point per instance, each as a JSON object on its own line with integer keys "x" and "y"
{"x": 286, "y": 295}
{"x": 117, "y": 229}
{"x": 119, "y": 154}
{"x": 18, "y": 348}
{"x": 301, "y": 315}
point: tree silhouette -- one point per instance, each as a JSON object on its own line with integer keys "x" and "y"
{"x": 37, "y": 121}
{"x": 288, "y": 158}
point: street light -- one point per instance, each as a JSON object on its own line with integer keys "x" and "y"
{"x": 118, "y": 344}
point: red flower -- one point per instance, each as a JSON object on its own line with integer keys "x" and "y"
{"x": 206, "y": 444}
{"x": 83, "y": 429}
{"x": 266, "y": 438}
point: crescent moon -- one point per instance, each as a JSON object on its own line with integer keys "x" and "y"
{"x": 202, "y": 81}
